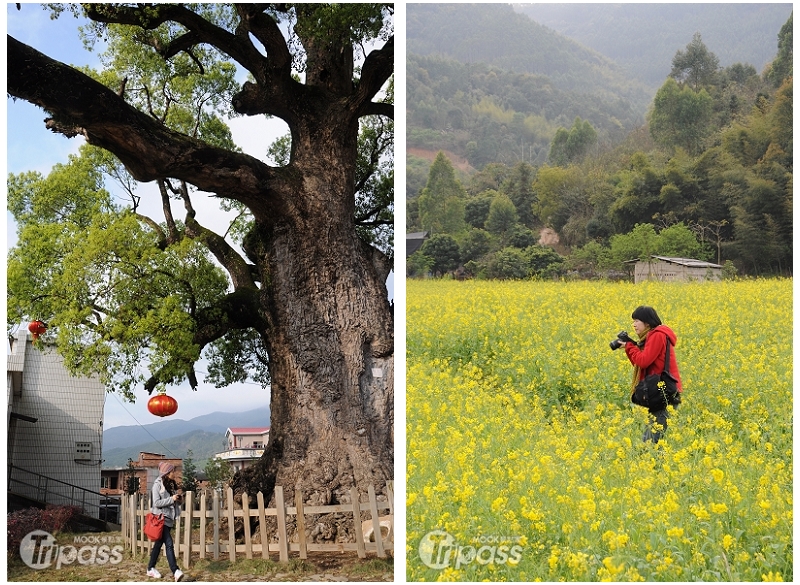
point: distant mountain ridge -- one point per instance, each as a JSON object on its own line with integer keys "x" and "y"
{"x": 643, "y": 38}
{"x": 203, "y": 445}
{"x": 203, "y": 434}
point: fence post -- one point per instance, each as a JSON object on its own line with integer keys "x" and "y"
{"x": 231, "y": 530}
{"x": 126, "y": 511}
{"x": 140, "y": 532}
{"x": 187, "y": 554}
{"x": 203, "y": 510}
{"x": 132, "y": 505}
{"x": 283, "y": 544}
{"x": 216, "y": 517}
{"x": 362, "y": 551}
{"x": 248, "y": 544}
{"x": 376, "y": 521}
{"x": 390, "y": 496}
{"x": 262, "y": 525}
{"x": 301, "y": 523}
{"x": 122, "y": 515}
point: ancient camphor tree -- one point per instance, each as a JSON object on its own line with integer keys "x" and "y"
{"x": 305, "y": 305}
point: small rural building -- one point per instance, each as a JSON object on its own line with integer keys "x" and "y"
{"x": 667, "y": 269}
{"x": 414, "y": 242}
{"x": 245, "y": 446}
{"x": 55, "y": 430}
{"x": 145, "y": 468}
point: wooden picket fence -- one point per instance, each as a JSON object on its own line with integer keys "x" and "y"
{"x": 190, "y": 539}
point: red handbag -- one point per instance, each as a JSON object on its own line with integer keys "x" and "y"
{"x": 153, "y": 526}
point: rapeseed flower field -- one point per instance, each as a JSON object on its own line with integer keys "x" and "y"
{"x": 525, "y": 458}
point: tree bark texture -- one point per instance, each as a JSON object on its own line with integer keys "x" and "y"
{"x": 317, "y": 293}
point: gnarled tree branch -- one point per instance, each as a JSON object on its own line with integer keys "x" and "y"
{"x": 148, "y": 149}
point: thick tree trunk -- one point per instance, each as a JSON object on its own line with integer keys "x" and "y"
{"x": 330, "y": 340}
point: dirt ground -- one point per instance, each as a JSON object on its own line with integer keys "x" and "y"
{"x": 324, "y": 567}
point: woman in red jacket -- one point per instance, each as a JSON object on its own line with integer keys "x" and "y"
{"x": 647, "y": 358}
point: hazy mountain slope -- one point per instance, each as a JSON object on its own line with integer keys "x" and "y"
{"x": 496, "y": 35}
{"x": 643, "y": 38}
{"x": 202, "y": 444}
{"x": 216, "y": 422}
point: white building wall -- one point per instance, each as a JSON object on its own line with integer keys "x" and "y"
{"x": 69, "y": 411}
{"x": 669, "y": 272}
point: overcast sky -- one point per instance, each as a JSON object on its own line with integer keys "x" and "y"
{"x": 32, "y": 147}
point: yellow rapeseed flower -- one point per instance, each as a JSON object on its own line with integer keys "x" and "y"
{"x": 720, "y": 508}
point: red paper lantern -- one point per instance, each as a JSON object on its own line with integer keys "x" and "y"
{"x": 37, "y": 328}
{"x": 162, "y": 405}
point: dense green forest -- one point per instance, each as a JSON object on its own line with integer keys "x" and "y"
{"x": 706, "y": 173}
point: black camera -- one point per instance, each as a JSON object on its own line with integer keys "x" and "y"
{"x": 622, "y": 338}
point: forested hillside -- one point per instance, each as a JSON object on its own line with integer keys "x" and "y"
{"x": 706, "y": 173}
{"x": 494, "y": 34}
{"x": 642, "y": 38}
{"x": 486, "y": 114}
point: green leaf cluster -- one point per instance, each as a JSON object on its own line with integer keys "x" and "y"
{"x": 113, "y": 296}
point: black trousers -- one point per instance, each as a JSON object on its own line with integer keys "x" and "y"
{"x": 656, "y": 425}
{"x": 166, "y": 540}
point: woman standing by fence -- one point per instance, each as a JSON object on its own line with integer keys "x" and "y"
{"x": 167, "y": 501}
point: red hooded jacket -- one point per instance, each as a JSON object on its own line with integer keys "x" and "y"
{"x": 651, "y": 359}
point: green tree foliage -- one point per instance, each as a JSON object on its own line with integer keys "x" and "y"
{"x": 676, "y": 241}
{"x": 441, "y": 204}
{"x": 476, "y": 243}
{"x": 416, "y": 175}
{"x": 505, "y": 117}
{"x": 509, "y": 264}
{"x": 189, "y": 481}
{"x": 782, "y": 66}
{"x": 521, "y": 237}
{"x": 591, "y": 258}
{"x": 696, "y": 66}
{"x": 218, "y": 472}
{"x": 476, "y": 209}
{"x": 131, "y": 295}
{"x": 680, "y": 117}
{"x": 519, "y": 187}
{"x": 515, "y": 264}
{"x": 572, "y": 145}
{"x": 502, "y": 216}
{"x": 560, "y": 194}
{"x": 444, "y": 251}
{"x": 418, "y": 264}
{"x": 131, "y": 480}
{"x": 543, "y": 261}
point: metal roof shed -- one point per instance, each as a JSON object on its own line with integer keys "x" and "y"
{"x": 667, "y": 269}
